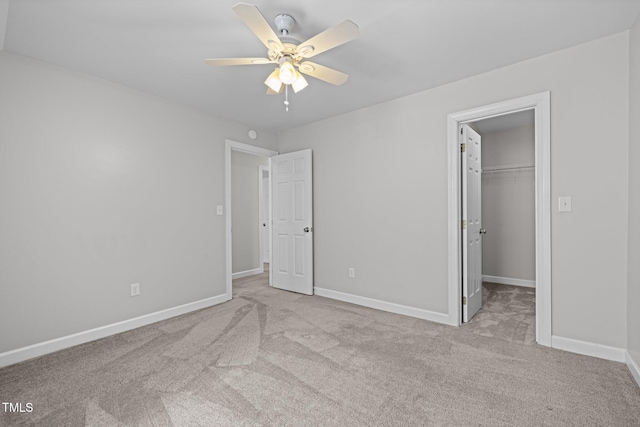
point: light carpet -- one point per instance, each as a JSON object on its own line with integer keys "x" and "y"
{"x": 271, "y": 357}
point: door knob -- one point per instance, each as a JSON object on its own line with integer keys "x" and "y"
{"x": 483, "y": 231}
{"x": 307, "y": 229}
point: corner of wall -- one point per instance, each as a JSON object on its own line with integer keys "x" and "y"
{"x": 633, "y": 232}
{"x": 4, "y": 17}
{"x": 633, "y": 363}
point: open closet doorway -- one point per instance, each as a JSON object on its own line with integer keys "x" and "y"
{"x": 508, "y": 198}
{"x": 507, "y": 230}
{"x": 539, "y": 104}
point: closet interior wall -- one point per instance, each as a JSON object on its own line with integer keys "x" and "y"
{"x": 508, "y": 204}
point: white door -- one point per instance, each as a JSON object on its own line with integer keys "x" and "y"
{"x": 264, "y": 194}
{"x": 292, "y": 222}
{"x": 471, "y": 222}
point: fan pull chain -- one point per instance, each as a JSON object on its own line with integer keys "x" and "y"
{"x": 286, "y": 98}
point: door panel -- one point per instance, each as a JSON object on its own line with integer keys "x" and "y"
{"x": 292, "y": 222}
{"x": 283, "y": 196}
{"x": 472, "y": 222}
{"x": 298, "y": 196}
{"x": 299, "y": 247}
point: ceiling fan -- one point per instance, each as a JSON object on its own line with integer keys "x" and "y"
{"x": 290, "y": 54}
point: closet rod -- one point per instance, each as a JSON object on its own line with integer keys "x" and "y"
{"x": 508, "y": 167}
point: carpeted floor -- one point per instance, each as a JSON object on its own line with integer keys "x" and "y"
{"x": 508, "y": 313}
{"x": 271, "y": 357}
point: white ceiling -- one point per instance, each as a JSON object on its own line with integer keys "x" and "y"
{"x": 505, "y": 122}
{"x": 405, "y": 46}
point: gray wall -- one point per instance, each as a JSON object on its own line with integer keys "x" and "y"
{"x": 633, "y": 290}
{"x": 4, "y": 12}
{"x": 100, "y": 187}
{"x": 508, "y": 205}
{"x": 245, "y": 210}
{"x": 380, "y": 188}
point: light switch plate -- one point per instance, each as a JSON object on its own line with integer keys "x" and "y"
{"x": 564, "y": 204}
{"x": 219, "y": 210}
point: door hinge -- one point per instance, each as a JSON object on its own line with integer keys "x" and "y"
{"x": 464, "y": 224}
{"x": 460, "y": 131}
{"x": 463, "y": 147}
{"x": 464, "y": 300}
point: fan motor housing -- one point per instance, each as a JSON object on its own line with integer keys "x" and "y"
{"x": 284, "y": 23}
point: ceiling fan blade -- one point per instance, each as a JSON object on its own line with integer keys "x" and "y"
{"x": 321, "y": 72}
{"x": 328, "y": 39}
{"x": 260, "y": 27}
{"x": 237, "y": 61}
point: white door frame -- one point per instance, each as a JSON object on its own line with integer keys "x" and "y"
{"x": 541, "y": 104}
{"x": 245, "y": 148}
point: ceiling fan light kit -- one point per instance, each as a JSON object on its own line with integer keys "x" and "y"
{"x": 289, "y": 53}
{"x": 273, "y": 81}
{"x": 287, "y": 72}
{"x": 299, "y": 83}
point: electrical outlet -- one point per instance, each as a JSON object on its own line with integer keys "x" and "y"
{"x": 135, "y": 289}
{"x": 352, "y": 272}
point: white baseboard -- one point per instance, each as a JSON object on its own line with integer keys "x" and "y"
{"x": 589, "y": 349}
{"x": 509, "y": 281}
{"x": 634, "y": 367}
{"x": 40, "y": 349}
{"x": 246, "y": 273}
{"x": 384, "y": 306}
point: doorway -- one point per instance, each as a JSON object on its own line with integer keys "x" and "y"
{"x": 506, "y": 192}
{"x": 246, "y": 207}
{"x": 233, "y": 147}
{"x": 291, "y": 215}
{"x": 508, "y": 198}
{"x": 264, "y": 196}
{"x": 540, "y": 104}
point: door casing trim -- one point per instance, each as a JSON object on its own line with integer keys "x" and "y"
{"x": 540, "y": 103}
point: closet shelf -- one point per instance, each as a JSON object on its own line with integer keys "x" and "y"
{"x": 509, "y": 167}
